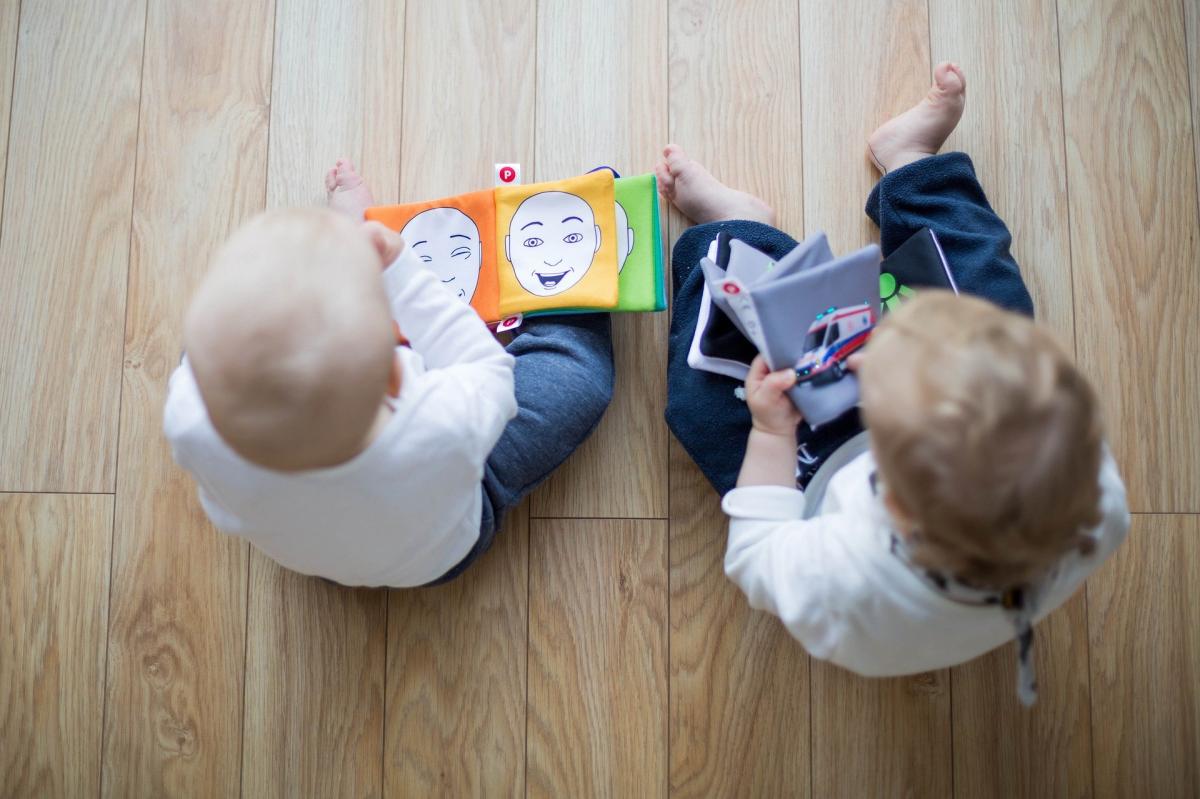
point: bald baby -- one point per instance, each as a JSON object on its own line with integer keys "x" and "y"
{"x": 290, "y": 338}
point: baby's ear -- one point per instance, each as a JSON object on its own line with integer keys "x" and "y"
{"x": 507, "y": 253}
{"x": 598, "y": 238}
{"x": 386, "y": 242}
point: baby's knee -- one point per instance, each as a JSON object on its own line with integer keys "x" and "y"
{"x": 597, "y": 393}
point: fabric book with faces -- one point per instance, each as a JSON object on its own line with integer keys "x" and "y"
{"x": 809, "y": 311}
{"x": 589, "y": 243}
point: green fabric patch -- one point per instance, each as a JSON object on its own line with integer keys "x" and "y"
{"x": 640, "y": 286}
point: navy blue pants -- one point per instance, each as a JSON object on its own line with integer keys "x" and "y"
{"x": 940, "y": 193}
{"x": 563, "y": 379}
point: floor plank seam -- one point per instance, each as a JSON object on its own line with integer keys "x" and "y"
{"x": 61, "y": 493}
{"x": 270, "y": 97}
{"x": 245, "y": 670}
{"x": 601, "y": 518}
{"x": 537, "y": 26}
{"x": 1187, "y": 63}
{"x": 12, "y": 95}
{"x": 1062, "y": 113}
{"x": 1087, "y": 642}
{"x": 112, "y": 556}
{"x": 112, "y": 549}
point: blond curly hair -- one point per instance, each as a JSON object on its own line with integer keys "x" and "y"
{"x": 987, "y": 438}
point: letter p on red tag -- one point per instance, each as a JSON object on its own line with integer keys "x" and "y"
{"x": 508, "y": 174}
{"x": 510, "y": 323}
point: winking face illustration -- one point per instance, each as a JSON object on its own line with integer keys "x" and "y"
{"x": 447, "y": 240}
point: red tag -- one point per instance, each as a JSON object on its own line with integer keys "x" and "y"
{"x": 507, "y": 174}
{"x": 731, "y": 288}
{"x": 510, "y": 323}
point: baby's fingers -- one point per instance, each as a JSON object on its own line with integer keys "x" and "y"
{"x": 780, "y": 381}
{"x": 758, "y": 369}
{"x": 386, "y": 241}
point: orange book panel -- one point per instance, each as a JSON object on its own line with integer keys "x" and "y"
{"x": 456, "y": 238}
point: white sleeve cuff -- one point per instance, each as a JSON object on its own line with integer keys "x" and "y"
{"x": 764, "y": 502}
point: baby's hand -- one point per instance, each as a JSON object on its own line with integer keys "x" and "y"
{"x": 770, "y": 408}
{"x": 386, "y": 242}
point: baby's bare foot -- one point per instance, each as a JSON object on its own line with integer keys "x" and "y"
{"x": 702, "y": 198}
{"x": 921, "y": 130}
{"x": 348, "y": 192}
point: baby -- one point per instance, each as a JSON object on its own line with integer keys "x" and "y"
{"x": 981, "y": 494}
{"x": 340, "y": 453}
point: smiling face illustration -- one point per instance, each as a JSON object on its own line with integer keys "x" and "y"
{"x": 447, "y": 240}
{"x": 551, "y": 241}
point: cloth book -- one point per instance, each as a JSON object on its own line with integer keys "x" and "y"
{"x": 719, "y": 346}
{"x": 809, "y": 311}
{"x": 918, "y": 262}
{"x": 587, "y": 243}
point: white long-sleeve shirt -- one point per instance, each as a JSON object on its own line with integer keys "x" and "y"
{"x": 407, "y": 508}
{"x": 840, "y": 590}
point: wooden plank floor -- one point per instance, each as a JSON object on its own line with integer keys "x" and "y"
{"x": 598, "y": 649}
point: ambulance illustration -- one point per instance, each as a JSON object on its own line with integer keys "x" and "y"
{"x": 834, "y": 335}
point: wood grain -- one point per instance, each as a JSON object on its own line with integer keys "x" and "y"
{"x": 1131, "y": 170}
{"x": 65, "y": 242}
{"x": 456, "y": 678}
{"x": 735, "y": 97}
{"x": 1002, "y": 749}
{"x": 843, "y": 105}
{"x": 887, "y": 737}
{"x": 1191, "y": 11}
{"x": 618, "y": 120}
{"x": 597, "y": 658}
{"x": 1009, "y": 53}
{"x": 316, "y": 652}
{"x": 456, "y": 654}
{"x": 54, "y": 554}
{"x": 1010, "y": 57}
{"x": 649, "y": 674}
{"x": 338, "y": 90}
{"x": 314, "y": 687}
{"x": 869, "y": 737}
{"x": 177, "y": 634}
{"x": 493, "y": 80}
{"x": 739, "y": 722}
{"x": 9, "y": 19}
{"x": 1144, "y": 630}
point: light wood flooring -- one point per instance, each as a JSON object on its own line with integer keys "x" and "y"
{"x": 598, "y": 650}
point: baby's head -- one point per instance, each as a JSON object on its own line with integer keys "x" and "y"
{"x": 987, "y": 439}
{"x": 290, "y": 338}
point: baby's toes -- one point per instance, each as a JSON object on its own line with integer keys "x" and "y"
{"x": 666, "y": 181}
{"x": 331, "y": 179}
{"x": 948, "y": 79}
{"x": 676, "y": 158}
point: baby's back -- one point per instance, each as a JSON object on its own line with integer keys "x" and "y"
{"x": 401, "y": 513}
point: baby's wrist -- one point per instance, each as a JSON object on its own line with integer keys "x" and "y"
{"x": 763, "y": 429}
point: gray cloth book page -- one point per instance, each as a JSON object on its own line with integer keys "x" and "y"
{"x": 808, "y": 311}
